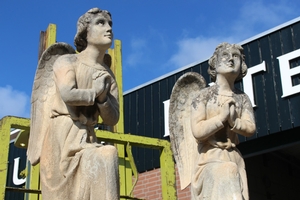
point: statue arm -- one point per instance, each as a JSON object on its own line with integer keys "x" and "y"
{"x": 65, "y": 80}
{"x": 245, "y": 125}
{"x": 109, "y": 110}
{"x": 202, "y": 128}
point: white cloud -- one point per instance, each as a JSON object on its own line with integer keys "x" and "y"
{"x": 194, "y": 49}
{"x": 13, "y": 102}
{"x": 265, "y": 12}
{"x": 137, "y": 53}
{"x": 251, "y": 19}
{"x": 257, "y": 15}
{"x": 141, "y": 49}
{"x": 138, "y": 43}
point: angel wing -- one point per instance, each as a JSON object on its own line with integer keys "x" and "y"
{"x": 41, "y": 99}
{"x": 183, "y": 143}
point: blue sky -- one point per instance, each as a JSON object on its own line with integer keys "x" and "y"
{"x": 158, "y": 36}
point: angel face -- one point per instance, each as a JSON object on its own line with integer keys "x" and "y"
{"x": 229, "y": 61}
{"x": 99, "y": 32}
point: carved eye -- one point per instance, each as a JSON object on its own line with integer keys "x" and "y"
{"x": 101, "y": 22}
{"x": 225, "y": 55}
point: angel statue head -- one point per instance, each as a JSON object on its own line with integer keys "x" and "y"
{"x": 228, "y": 56}
{"x": 85, "y": 30}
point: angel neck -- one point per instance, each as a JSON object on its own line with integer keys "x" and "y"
{"x": 92, "y": 55}
{"x": 225, "y": 85}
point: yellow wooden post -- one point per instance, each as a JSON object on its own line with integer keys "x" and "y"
{"x": 32, "y": 181}
{"x": 124, "y": 165}
{"x": 167, "y": 170}
{"x": 50, "y": 37}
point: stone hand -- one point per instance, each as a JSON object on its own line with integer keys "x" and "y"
{"x": 225, "y": 106}
{"x": 101, "y": 85}
{"x": 223, "y": 145}
{"x": 232, "y": 115}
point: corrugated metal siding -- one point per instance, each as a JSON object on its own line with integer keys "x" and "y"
{"x": 144, "y": 109}
{"x": 273, "y": 113}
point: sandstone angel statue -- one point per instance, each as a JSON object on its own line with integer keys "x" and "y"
{"x": 70, "y": 92}
{"x": 204, "y": 126}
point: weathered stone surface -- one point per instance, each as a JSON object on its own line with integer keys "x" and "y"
{"x": 71, "y": 91}
{"x": 216, "y": 114}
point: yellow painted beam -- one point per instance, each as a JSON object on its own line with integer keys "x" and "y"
{"x": 131, "y": 170}
{"x": 167, "y": 170}
{"x": 124, "y": 166}
{"x": 33, "y": 182}
{"x": 134, "y": 140}
{"x": 50, "y": 37}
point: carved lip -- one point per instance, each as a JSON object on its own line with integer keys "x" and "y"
{"x": 108, "y": 35}
{"x": 230, "y": 64}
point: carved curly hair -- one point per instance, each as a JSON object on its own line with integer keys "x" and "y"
{"x": 80, "y": 40}
{"x": 213, "y": 61}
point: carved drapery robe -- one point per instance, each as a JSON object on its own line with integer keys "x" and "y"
{"x": 220, "y": 169}
{"x": 73, "y": 165}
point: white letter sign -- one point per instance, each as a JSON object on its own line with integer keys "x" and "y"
{"x": 166, "y": 113}
{"x": 16, "y": 179}
{"x": 286, "y": 73}
{"x": 247, "y": 80}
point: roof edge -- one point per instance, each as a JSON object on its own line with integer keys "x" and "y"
{"x": 276, "y": 28}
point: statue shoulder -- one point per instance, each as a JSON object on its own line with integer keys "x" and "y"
{"x": 65, "y": 60}
{"x": 205, "y": 94}
{"x": 241, "y": 94}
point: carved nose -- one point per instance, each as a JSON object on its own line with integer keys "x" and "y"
{"x": 109, "y": 29}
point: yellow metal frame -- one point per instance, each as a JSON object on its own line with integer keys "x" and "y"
{"x": 167, "y": 165}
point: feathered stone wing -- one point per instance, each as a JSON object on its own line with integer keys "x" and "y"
{"x": 183, "y": 143}
{"x": 42, "y": 97}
